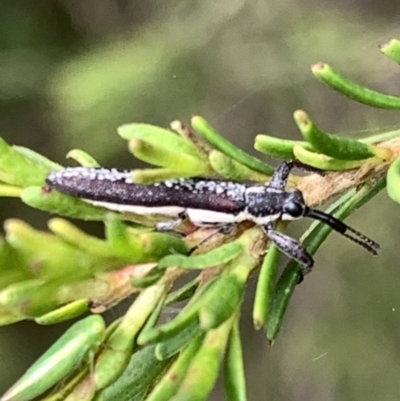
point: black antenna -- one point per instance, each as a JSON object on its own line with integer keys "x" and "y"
{"x": 338, "y": 225}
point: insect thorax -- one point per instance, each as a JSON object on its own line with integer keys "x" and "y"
{"x": 264, "y": 204}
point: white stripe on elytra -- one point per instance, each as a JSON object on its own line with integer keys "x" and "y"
{"x": 172, "y": 211}
{"x": 208, "y": 217}
{"x": 198, "y": 217}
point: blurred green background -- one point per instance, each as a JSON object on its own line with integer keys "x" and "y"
{"x": 72, "y": 71}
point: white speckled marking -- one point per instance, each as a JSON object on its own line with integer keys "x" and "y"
{"x": 92, "y": 174}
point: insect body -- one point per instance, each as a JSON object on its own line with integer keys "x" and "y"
{"x": 212, "y": 203}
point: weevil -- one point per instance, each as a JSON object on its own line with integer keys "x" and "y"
{"x": 206, "y": 202}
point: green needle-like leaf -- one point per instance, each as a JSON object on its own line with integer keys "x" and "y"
{"x": 160, "y": 136}
{"x": 37, "y": 158}
{"x": 118, "y": 348}
{"x": 10, "y": 191}
{"x": 338, "y": 82}
{"x": 162, "y": 156}
{"x": 204, "y": 129}
{"x": 392, "y": 50}
{"x": 64, "y": 205}
{"x": 335, "y": 146}
{"x": 72, "y": 234}
{"x": 83, "y": 158}
{"x": 278, "y": 147}
{"x": 234, "y": 378}
{"x": 170, "y": 347}
{"x": 203, "y": 369}
{"x": 167, "y": 387}
{"x": 139, "y": 375}
{"x": 22, "y": 167}
{"x": 186, "y": 316}
{"x": 59, "y": 360}
{"x": 66, "y": 312}
{"x": 265, "y": 286}
{"x": 323, "y": 162}
{"x": 221, "y": 301}
{"x": 222, "y": 254}
{"x": 229, "y": 168}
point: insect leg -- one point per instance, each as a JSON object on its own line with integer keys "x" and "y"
{"x": 281, "y": 174}
{"x": 290, "y": 247}
{"x": 170, "y": 225}
{"x": 225, "y": 229}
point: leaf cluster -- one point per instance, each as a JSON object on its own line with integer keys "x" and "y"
{"x": 54, "y": 276}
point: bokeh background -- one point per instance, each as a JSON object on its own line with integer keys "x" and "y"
{"x": 72, "y": 71}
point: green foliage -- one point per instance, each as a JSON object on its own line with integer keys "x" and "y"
{"x": 51, "y": 277}
{"x": 66, "y": 354}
